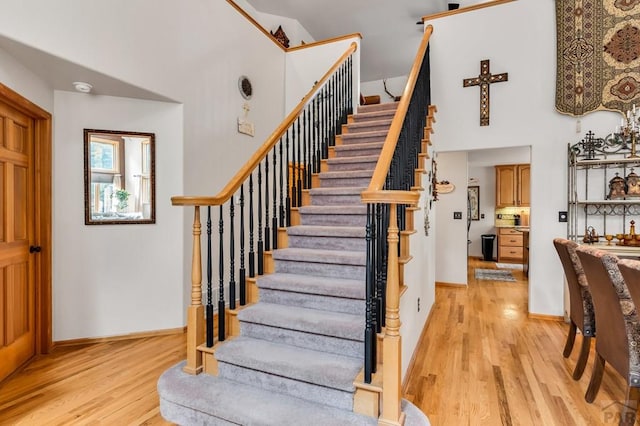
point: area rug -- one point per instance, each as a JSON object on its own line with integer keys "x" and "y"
{"x": 516, "y": 266}
{"x": 598, "y": 51}
{"x": 494, "y": 275}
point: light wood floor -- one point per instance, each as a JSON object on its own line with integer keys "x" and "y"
{"x": 480, "y": 361}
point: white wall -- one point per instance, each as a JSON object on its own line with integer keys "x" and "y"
{"x": 522, "y": 113}
{"x": 419, "y": 276}
{"x": 306, "y": 66}
{"x": 23, "y": 81}
{"x": 115, "y": 279}
{"x": 451, "y": 266}
{"x": 486, "y": 180}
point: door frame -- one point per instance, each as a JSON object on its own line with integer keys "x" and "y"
{"x": 42, "y": 210}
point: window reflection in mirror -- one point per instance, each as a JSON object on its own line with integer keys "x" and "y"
{"x": 119, "y": 178}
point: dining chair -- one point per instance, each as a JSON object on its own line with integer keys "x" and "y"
{"x": 615, "y": 312}
{"x": 581, "y": 315}
{"x": 630, "y": 270}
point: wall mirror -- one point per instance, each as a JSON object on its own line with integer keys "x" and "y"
{"x": 119, "y": 177}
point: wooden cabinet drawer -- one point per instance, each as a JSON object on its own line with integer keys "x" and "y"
{"x": 511, "y": 240}
{"x": 506, "y": 252}
{"x": 509, "y": 231}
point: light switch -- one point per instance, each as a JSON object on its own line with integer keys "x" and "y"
{"x": 457, "y": 215}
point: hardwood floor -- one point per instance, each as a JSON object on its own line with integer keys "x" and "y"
{"x": 481, "y": 361}
{"x": 104, "y": 383}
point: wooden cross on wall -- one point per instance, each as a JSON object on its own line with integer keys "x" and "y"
{"x": 484, "y": 80}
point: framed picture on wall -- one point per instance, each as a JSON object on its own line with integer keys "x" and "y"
{"x": 473, "y": 201}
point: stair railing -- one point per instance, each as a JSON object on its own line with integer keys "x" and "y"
{"x": 274, "y": 179}
{"x": 390, "y": 191}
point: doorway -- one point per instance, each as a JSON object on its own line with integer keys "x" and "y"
{"x": 25, "y": 231}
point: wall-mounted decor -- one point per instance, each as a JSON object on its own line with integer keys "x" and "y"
{"x": 473, "y": 200}
{"x": 445, "y": 187}
{"x": 484, "y": 80}
{"x": 598, "y": 55}
{"x": 119, "y": 177}
{"x": 245, "y": 87}
{"x": 281, "y": 36}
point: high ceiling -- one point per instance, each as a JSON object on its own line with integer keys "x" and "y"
{"x": 388, "y": 27}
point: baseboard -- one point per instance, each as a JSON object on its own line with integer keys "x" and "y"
{"x": 546, "y": 317}
{"x": 139, "y": 335}
{"x": 412, "y": 362}
{"x": 441, "y": 284}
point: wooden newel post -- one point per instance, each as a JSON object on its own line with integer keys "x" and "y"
{"x": 392, "y": 344}
{"x": 195, "y": 311}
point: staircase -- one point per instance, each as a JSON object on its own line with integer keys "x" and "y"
{"x": 301, "y": 346}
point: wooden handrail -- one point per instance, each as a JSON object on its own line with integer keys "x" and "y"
{"x": 255, "y": 159}
{"x": 374, "y": 193}
{"x": 464, "y": 9}
{"x": 325, "y": 41}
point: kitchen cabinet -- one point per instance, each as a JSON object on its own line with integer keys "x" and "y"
{"x": 510, "y": 245}
{"x": 513, "y": 185}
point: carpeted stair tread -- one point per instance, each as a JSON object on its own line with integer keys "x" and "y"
{"x": 346, "y": 174}
{"x": 364, "y": 137}
{"x": 362, "y": 162}
{"x": 341, "y": 257}
{"x": 358, "y": 146}
{"x": 387, "y": 106}
{"x": 318, "y": 368}
{"x": 327, "y": 231}
{"x": 345, "y": 210}
{"x": 342, "y": 190}
{"x": 209, "y": 400}
{"x": 313, "y": 321}
{"x": 338, "y": 287}
{"x": 365, "y": 117}
{"x": 363, "y": 126}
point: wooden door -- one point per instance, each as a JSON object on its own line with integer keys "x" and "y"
{"x": 505, "y": 186}
{"x": 17, "y": 219}
{"x": 524, "y": 179}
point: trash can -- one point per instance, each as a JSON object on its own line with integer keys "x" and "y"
{"x": 487, "y": 246}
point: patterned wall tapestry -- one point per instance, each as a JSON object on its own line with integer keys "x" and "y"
{"x": 598, "y": 55}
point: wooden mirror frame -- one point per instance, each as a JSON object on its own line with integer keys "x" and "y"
{"x": 115, "y": 172}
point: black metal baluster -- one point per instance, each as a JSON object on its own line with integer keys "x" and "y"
{"x": 369, "y": 335}
{"x": 232, "y": 256}
{"x": 252, "y": 255}
{"x": 316, "y": 160}
{"x": 380, "y": 261}
{"x": 274, "y": 217}
{"x": 260, "y": 242}
{"x": 209, "y": 325}
{"x": 325, "y": 134}
{"x": 350, "y": 86}
{"x": 304, "y": 149}
{"x": 299, "y": 165}
{"x": 267, "y": 228}
{"x": 309, "y": 166}
{"x": 221, "y": 308}
{"x": 243, "y": 279}
{"x": 283, "y": 169}
{"x": 289, "y": 189}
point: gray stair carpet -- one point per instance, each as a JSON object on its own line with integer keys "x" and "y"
{"x": 301, "y": 346}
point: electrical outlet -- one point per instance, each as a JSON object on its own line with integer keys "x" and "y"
{"x": 562, "y": 216}
{"x": 481, "y": 215}
{"x": 457, "y": 215}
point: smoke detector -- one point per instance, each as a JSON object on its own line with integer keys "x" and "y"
{"x": 82, "y": 87}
